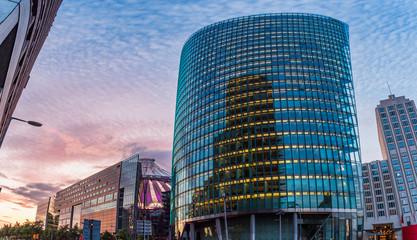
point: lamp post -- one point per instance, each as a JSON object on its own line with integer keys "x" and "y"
{"x": 280, "y": 212}
{"x": 300, "y": 219}
{"x": 225, "y": 216}
{"x": 33, "y": 123}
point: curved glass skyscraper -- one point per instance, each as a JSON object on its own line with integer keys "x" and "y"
{"x": 266, "y": 126}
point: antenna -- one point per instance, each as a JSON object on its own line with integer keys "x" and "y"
{"x": 389, "y": 88}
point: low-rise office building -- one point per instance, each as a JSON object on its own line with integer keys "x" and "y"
{"x": 118, "y": 196}
{"x": 382, "y": 213}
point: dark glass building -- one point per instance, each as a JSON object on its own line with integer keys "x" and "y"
{"x": 266, "y": 125}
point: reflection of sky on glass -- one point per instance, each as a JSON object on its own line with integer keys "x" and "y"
{"x": 104, "y": 84}
{"x": 6, "y": 7}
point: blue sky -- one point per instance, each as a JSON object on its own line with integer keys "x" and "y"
{"x": 104, "y": 84}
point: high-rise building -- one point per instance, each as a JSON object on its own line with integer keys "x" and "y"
{"x": 117, "y": 196}
{"x": 382, "y": 209}
{"x": 24, "y": 26}
{"x": 45, "y": 212}
{"x": 266, "y": 126}
{"x": 397, "y": 129}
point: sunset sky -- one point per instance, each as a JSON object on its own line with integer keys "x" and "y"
{"x": 104, "y": 84}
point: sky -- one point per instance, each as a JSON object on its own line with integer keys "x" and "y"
{"x": 104, "y": 84}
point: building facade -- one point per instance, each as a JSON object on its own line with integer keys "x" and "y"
{"x": 117, "y": 196}
{"x": 397, "y": 130}
{"x": 45, "y": 212}
{"x": 382, "y": 209}
{"x": 266, "y": 122}
{"x": 24, "y": 26}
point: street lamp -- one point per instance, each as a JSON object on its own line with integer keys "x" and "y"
{"x": 280, "y": 212}
{"x": 225, "y": 216}
{"x": 33, "y": 123}
{"x": 300, "y": 219}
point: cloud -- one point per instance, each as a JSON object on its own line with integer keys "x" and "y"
{"x": 32, "y": 193}
{"x": 3, "y": 175}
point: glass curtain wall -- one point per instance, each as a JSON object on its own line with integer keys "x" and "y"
{"x": 266, "y": 115}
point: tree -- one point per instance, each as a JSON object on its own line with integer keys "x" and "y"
{"x": 63, "y": 233}
{"x": 106, "y": 236}
{"x": 75, "y": 232}
{"x": 122, "y": 234}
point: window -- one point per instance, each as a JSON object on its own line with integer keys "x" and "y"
{"x": 390, "y": 197}
{"x": 391, "y": 204}
{"x": 401, "y": 144}
{"x": 392, "y": 212}
{"x": 410, "y": 143}
{"x": 381, "y": 213}
{"x": 369, "y": 214}
{"x": 380, "y": 206}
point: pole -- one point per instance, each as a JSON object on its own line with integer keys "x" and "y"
{"x": 280, "y": 236}
{"x": 225, "y": 216}
{"x": 300, "y": 224}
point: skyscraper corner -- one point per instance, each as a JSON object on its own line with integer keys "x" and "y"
{"x": 24, "y": 26}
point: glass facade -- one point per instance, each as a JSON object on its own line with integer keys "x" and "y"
{"x": 129, "y": 195}
{"x": 266, "y": 116}
{"x": 45, "y": 212}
